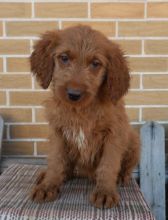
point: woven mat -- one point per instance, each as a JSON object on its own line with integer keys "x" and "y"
{"x": 73, "y": 204}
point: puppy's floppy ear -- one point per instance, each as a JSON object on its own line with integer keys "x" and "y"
{"x": 118, "y": 78}
{"x": 42, "y": 58}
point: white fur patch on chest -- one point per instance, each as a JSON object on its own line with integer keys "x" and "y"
{"x": 75, "y": 136}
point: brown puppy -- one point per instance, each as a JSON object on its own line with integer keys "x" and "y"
{"x": 89, "y": 128}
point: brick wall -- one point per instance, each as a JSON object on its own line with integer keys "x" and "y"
{"x": 139, "y": 26}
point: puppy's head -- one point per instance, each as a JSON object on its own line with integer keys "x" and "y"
{"x": 82, "y": 64}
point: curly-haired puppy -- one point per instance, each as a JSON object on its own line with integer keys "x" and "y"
{"x": 89, "y": 129}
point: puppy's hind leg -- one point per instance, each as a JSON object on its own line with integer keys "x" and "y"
{"x": 130, "y": 159}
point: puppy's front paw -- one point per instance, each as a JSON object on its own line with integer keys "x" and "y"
{"x": 42, "y": 193}
{"x": 124, "y": 180}
{"x": 40, "y": 177}
{"x": 107, "y": 200}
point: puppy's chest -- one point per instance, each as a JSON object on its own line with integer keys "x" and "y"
{"x": 77, "y": 136}
{"x": 83, "y": 142}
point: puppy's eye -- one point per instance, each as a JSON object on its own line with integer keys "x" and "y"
{"x": 64, "y": 58}
{"x": 95, "y": 64}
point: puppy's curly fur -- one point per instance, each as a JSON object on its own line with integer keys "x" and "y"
{"x": 89, "y": 129}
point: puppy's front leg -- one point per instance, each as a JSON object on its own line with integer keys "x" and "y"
{"x": 105, "y": 193}
{"x": 48, "y": 182}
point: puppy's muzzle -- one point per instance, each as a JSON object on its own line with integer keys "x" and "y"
{"x": 74, "y": 94}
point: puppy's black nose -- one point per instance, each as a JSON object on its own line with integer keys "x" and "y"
{"x": 74, "y": 94}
